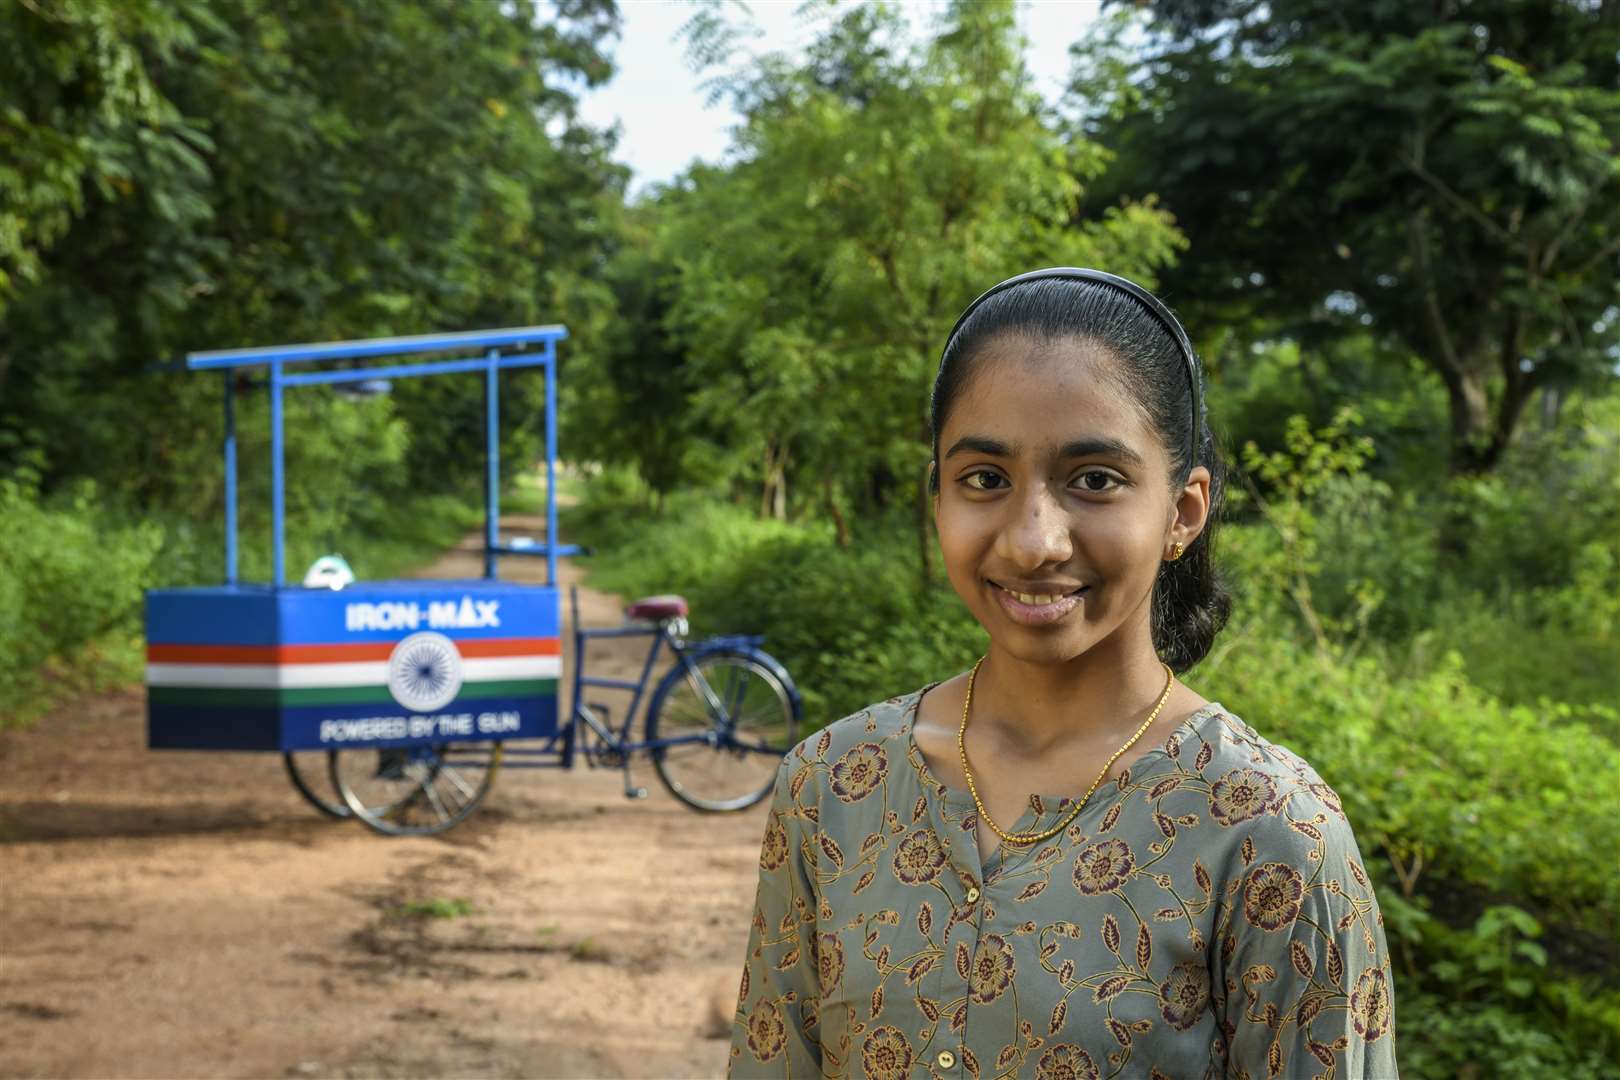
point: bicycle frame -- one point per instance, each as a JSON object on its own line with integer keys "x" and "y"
{"x": 617, "y": 737}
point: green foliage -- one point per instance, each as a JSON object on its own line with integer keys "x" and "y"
{"x": 250, "y": 182}
{"x": 75, "y": 73}
{"x": 1471, "y": 219}
{"x": 436, "y": 908}
{"x": 680, "y": 549}
{"x": 1432, "y": 770}
{"x": 807, "y": 285}
{"x": 1484, "y": 1003}
{"x": 180, "y": 175}
{"x": 71, "y": 576}
{"x": 1256, "y": 388}
{"x": 1360, "y": 564}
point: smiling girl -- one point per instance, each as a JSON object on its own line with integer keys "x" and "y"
{"x": 1065, "y": 863}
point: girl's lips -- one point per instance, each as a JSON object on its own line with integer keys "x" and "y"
{"x": 1037, "y": 614}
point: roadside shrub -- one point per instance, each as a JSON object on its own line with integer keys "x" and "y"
{"x": 71, "y": 575}
{"x": 853, "y": 624}
{"x": 1444, "y": 778}
{"x": 856, "y": 621}
{"x": 681, "y": 549}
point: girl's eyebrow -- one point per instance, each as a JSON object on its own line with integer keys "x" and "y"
{"x": 983, "y": 445}
{"x": 1098, "y": 446}
{"x": 1102, "y": 447}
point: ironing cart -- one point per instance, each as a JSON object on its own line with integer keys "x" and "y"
{"x": 419, "y": 680}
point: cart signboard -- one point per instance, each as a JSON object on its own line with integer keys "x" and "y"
{"x": 379, "y": 664}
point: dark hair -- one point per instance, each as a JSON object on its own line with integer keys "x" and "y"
{"x": 1190, "y": 604}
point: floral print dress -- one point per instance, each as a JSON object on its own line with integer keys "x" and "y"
{"x": 1206, "y": 915}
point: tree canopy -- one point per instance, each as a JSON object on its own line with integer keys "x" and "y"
{"x": 186, "y": 175}
{"x": 1446, "y": 176}
{"x": 876, "y": 187}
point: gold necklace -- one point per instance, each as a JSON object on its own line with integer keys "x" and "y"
{"x": 1022, "y": 838}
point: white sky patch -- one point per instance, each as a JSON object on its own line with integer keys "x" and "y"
{"x": 666, "y": 120}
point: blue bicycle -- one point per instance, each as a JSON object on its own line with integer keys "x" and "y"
{"x": 716, "y": 725}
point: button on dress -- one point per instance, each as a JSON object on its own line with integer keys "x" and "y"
{"x": 1207, "y": 914}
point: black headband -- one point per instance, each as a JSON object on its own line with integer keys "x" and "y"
{"x": 1154, "y": 305}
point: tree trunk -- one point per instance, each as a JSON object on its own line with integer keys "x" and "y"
{"x": 839, "y": 522}
{"x": 765, "y": 495}
{"x": 1479, "y": 437}
{"x": 1552, "y": 404}
{"x": 1471, "y": 430}
{"x": 924, "y": 502}
{"x": 925, "y": 542}
{"x": 773, "y": 490}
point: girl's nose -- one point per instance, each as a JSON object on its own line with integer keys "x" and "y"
{"x": 1037, "y": 531}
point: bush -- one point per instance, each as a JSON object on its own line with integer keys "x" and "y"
{"x": 71, "y": 575}
{"x": 1444, "y": 778}
{"x": 853, "y": 624}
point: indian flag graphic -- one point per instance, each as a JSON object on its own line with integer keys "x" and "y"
{"x": 250, "y": 667}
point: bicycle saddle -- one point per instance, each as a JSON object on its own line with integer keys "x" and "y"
{"x": 668, "y": 606}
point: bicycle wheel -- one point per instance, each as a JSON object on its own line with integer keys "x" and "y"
{"x": 736, "y": 720}
{"x": 415, "y": 790}
{"x": 310, "y": 774}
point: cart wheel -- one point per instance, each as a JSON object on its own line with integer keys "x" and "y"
{"x": 310, "y": 774}
{"x": 415, "y": 790}
{"x": 730, "y": 760}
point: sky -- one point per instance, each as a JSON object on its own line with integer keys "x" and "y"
{"x": 665, "y": 117}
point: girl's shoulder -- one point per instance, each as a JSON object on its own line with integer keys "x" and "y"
{"x": 865, "y": 744}
{"x": 1258, "y": 783}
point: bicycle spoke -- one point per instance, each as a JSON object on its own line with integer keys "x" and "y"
{"x": 449, "y": 772}
{"x": 740, "y": 689}
{"x": 433, "y": 799}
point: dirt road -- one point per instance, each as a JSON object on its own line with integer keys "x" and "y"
{"x": 187, "y": 914}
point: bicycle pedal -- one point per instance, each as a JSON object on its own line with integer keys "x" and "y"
{"x": 635, "y": 793}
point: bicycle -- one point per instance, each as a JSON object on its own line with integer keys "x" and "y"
{"x": 716, "y": 724}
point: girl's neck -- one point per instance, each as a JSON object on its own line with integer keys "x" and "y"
{"x": 1034, "y": 707}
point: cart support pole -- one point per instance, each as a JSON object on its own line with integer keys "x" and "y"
{"x": 552, "y": 539}
{"x": 230, "y": 476}
{"x": 492, "y": 432}
{"x": 278, "y": 500}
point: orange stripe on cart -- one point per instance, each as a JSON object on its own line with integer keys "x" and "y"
{"x": 338, "y": 654}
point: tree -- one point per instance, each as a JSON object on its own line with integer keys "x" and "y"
{"x": 873, "y": 190}
{"x": 250, "y": 172}
{"x": 1447, "y": 175}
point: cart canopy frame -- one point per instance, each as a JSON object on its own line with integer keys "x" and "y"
{"x": 495, "y": 351}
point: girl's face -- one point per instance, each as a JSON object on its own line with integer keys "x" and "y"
{"x": 1054, "y": 509}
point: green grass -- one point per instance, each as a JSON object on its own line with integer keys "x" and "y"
{"x": 437, "y": 908}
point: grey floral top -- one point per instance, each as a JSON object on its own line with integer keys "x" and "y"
{"x": 1207, "y": 914}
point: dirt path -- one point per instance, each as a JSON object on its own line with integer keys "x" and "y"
{"x": 186, "y": 914}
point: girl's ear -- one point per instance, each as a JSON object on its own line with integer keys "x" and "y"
{"x": 1190, "y": 511}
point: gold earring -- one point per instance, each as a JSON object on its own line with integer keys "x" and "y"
{"x": 1175, "y": 553}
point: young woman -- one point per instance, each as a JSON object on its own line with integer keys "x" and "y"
{"x": 1064, "y": 863}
